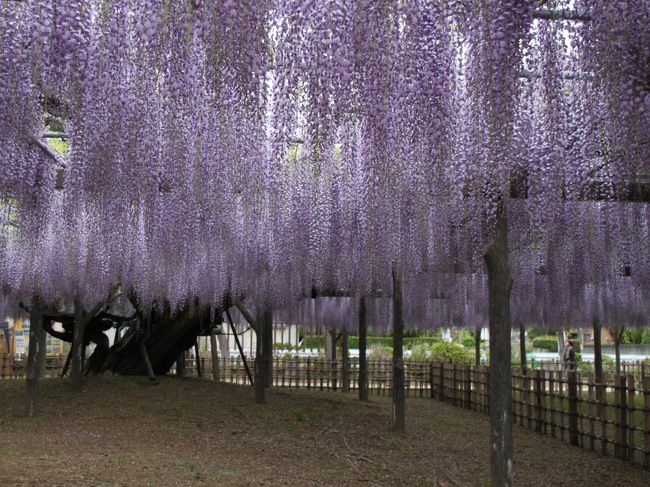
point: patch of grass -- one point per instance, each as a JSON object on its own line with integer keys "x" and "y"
{"x": 307, "y": 413}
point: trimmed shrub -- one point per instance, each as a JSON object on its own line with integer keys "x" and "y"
{"x": 450, "y": 352}
{"x": 546, "y": 342}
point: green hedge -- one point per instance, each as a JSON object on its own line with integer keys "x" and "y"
{"x": 312, "y": 341}
{"x": 546, "y": 342}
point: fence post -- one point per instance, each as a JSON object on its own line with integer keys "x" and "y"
{"x": 630, "y": 418}
{"x": 573, "y": 408}
{"x": 441, "y": 391}
{"x": 620, "y": 449}
{"x": 646, "y": 407}
{"x": 538, "y": 401}
{"x": 431, "y": 379}
{"x": 468, "y": 387}
{"x": 551, "y": 388}
{"x": 308, "y": 372}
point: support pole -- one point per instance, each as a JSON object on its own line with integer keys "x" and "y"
{"x": 67, "y": 363}
{"x": 241, "y": 351}
{"x": 598, "y": 352}
{"x": 345, "y": 361}
{"x": 78, "y": 345}
{"x": 363, "y": 362}
{"x": 399, "y": 399}
{"x": 197, "y": 357}
{"x": 215, "y": 355}
{"x": 522, "y": 348}
{"x": 180, "y": 364}
{"x": 495, "y": 255}
{"x": 36, "y": 356}
{"x": 477, "y": 346}
{"x": 267, "y": 346}
{"x": 145, "y": 359}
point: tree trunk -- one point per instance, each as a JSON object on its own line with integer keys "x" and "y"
{"x": 495, "y": 255}
{"x": 598, "y": 352}
{"x": 224, "y": 346}
{"x": 477, "y": 346}
{"x": 36, "y": 356}
{"x": 363, "y": 363}
{"x": 215, "y": 355}
{"x": 522, "y": 348}
{"x": 345, "y": 361}
{"x": 399, "y": 399}
{"x": 267, "y": 346}
{"x": 78, "y": 345}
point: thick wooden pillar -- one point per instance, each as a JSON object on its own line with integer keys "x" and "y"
{"x": 477, "y": 346}
{"x": 36, "y": 356}
{"x": 363, "y": 361}
{"x": 495, "y": 255}
{"x": 399, "y": 398}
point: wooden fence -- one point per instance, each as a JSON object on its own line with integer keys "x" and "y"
{"x": 612, "y": 418}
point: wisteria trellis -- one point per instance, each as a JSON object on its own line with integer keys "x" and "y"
{"x": 269, "y": 148}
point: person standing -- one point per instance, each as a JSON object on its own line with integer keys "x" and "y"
{"x": 569, "y": 357}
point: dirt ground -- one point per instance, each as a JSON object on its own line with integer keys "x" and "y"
{"x": 188, "y": 432}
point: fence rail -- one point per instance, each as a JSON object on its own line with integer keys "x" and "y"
{"x": 611, "y": 417}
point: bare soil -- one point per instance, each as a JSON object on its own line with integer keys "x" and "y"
{"x": 188, "y": 432}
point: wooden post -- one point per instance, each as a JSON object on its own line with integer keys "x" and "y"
{"x": 145, "y": 358}
{"x": 399, "y": 399}
{"x": 267, "y": 346}
{"x": 495, "y": 255}
{"x": 363, "y": 361}
{"x": 180, "y": 364}
{"x": 618, "y": 335}
{"x": 239, "y": 347}
{"x": 646, "y": 421}
{"x": 78, "y": 345}
{"x": 308, "y": 372}
{"x": 551, "y": 388}
{"x": 345, "y": 361}
{"x": 215, "y": 355}
{"x": 431, "y": 388}
{"x": 522, "y": 348}
{"x": 539, "y": 384}
{"x": 197, "y": 356}
{"x": 601, "y": 397}
{"x": 468, "y": 386}
{"x": 441, "y": 385}
{"x": 620, "y": 449}
{"x": 260, "y": 397}
{"x": 592, "y": 413}
{"x": 573, "y": 407}
{"x": 36, "y": 356}
{"x": 598, "y": 352}
{"x": 477, "y": 346}
{"x": 631, "y": 443}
